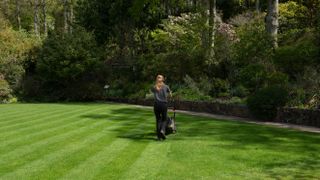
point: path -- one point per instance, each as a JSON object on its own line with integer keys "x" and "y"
{"x": 247, "y": 120}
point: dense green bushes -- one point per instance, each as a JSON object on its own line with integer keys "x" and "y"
{"x": 265, "y": 102}
{"x": 14, "y": 48}
{"x": 294, "y": 58}
{"x": 68, "y": 67}
{"x": 175, "y": 49}
{"x": 253, "y": 44}
{"x": 5, "y": 91}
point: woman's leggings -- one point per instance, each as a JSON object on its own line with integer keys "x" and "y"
{"x": 160, "y": 111}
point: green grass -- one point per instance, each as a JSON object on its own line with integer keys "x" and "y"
{"x": 109, "y": 141}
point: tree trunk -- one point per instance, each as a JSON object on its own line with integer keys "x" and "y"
{"x": 36, "y": 18}
{"x": 6, "y": 7}
{"x": 204, "y": 14}
{"x": 247, "y": 4}
{"x": 272, "y": 22}
{"x": 44, "y": 15}
{"x": 70, "y": 16}
{"x": 212, "y": 27}
{"x": 65, "y": 15}
{"x": 258, "y": 6}
{"x": 18, "y": 14}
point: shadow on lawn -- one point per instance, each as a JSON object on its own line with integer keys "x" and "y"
{"x": 140, "y": 125}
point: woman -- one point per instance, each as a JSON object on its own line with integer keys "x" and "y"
{"x": 161, "y": 92}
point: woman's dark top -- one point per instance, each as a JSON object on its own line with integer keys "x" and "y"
{"x": 162, "y": 94}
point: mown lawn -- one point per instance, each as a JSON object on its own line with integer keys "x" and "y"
{"x": 109, "y": 141}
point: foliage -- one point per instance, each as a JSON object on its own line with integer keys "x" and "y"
{"x": 219, "y": 88}
{"x": 264, "y": 103}
{"x": 176, "y": 49}
{"x": 186, "y": 93}
{"x": 253, "y": 76}
{"x": 239, "y": 91}
{"x": 69, "y": 65}
{"x": 194, "y": 90}
{"x": 127, "y": 43}
{"x": 292, "y": 15}
{"x": 253, "y": 45}
{"x": 5, "y": 91}
{"x": 277, "y": 79}
{"x": 109, "y": 18}
{"x": 14, "y": 48}
{"x": 292, "y": 20}
{"x": 292, "y": 59}
{"x": 308, "y": 85}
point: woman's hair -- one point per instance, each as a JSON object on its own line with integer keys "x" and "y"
{"x": 160, "y": 76}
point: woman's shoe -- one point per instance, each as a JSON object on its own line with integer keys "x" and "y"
{"x": 163, "y": 135}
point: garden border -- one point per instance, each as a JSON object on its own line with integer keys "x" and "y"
{"x": 295, "y": 116}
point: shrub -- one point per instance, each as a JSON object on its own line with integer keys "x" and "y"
{"x": 265, "y": 102}
{"x": 292, "y": 16}
{"x": 297, "y": 97}
{"x": 293, "y": 59}
{"x": 189, "y": 94}
{"x": 176, "y": 49}
{"x": 253, "y": 44}
{"x": 253, "y": 76}
{"x": 278, "y": 79}
{"x": 306, "y": 90}
{"x": 5, "y": 91}
{"x": 220, "y": 88}
{"x": 239, "y": 91}
{"x": 69, "y": 67}
{"x": 14, "y": 46}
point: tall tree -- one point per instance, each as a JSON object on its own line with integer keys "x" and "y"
{"x": 212, "y": 26}
{"x": 36, "y": 18}
{"x": 272, "y": 21}
{"x": 70, "y": 15}
{"x": 6, "y": 7}
{"x": 65, "y": 15}
{"x": 258, "y": 6}
{"x": 44, "y": 15}
{"x": 18, "y": 13}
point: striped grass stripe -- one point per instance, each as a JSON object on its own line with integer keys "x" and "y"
{"x": 89, "y": 168}
{"x": 71, "y": 148}
{"x": 17, "y": 108}
{"x": 13, "y": 108}
{"x": 79, "y": 157}
{"x": 37, "y": 150}
{"x": 9, "y": 115}
{"x": 43, "y": 116}
{"x": 36, "y": 124}
{"x": 51, "y": 137}
{"x": 149, "y": 163}
{"x": 36, "y": 113}
{"x": 20, "y": 119}
{"x": 52, "y": 142}
{"x": 43, "y": 134}
{"x": 26, "y": 113}
{"x": 20, "y": 114}
{"x": 16, "y": 113}
{"x": 48, "y": 158}
{"x": 125, "y": 159}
